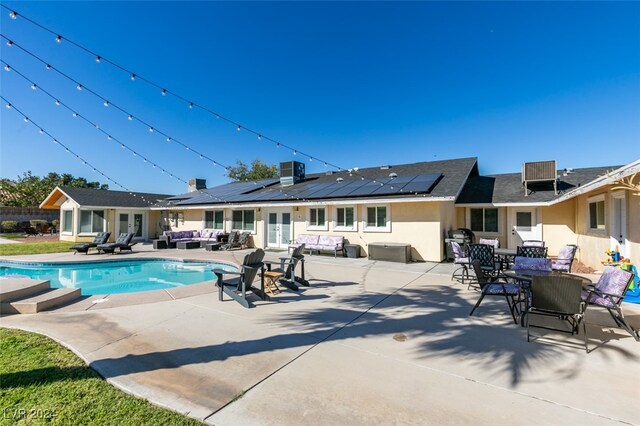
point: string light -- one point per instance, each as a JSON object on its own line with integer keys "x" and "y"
{"x": 13, "y": 15}
{"x": 238, "y": 129}
{"x": 79, "y": 87}
{"x": 164, "y": 92}
{"x": 48, "y": 67}
{"x": 190, "y": 105}
{"x": 75, "y": 114}
{"x": 98, "y": 59}
{"x": 8, "y": 106}
{"x": 26, "y": 119}
{"x": 7, "y": 68}
{"x": 9, "y": 43}
{"x": 34, "y": 86}
{"x": 57, "y": 102}
{"x": 105, "y": 103}
{"x": 259, "y": 137}
{"x": 133, "y": 77}
{"x": 59, "y": 39}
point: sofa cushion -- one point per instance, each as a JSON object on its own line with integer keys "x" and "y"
{"x": 307, "y": 239}
{"x": 331, "y": 241}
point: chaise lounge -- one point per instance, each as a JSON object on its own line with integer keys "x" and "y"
{"x": 123, "y": 242}
{"x": 101, "y": 238}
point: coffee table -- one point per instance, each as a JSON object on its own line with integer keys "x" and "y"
{"x": 184, "y": 245}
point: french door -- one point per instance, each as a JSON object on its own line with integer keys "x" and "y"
{"x": 278, "y": 228}
{"x": 618, "y": 236}
{"x": 128, "y": 221}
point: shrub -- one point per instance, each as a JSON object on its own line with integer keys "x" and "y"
{"x": 9, "y": 225}
{"x": 55, "y": 222}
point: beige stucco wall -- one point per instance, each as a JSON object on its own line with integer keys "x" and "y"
{"x": 558, "y": 226}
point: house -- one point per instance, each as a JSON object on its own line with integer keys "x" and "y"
{"x": 415, "y": 204}
{"x": 87, "y": 211}
{"x": 586, "y": 208}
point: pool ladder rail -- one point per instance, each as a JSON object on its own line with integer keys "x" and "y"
{"x": 29, "y": 296}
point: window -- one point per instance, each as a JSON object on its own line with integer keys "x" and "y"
{"x": 317, "y": 217}
{"x": 345, "y": 219}
{"x": 377, "y": 218}
{"x": 91, "y": 221}
{"x": 596, "y": 213}
{"x": 214, "y": 219}
{"x": 484, "y": 220}
{"x": 67, "y": 221}
{"x": 243, "y": 220}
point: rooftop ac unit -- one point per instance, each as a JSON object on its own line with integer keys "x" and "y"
{"x": 291, "y": 172}
{"x": 539, "y": 171}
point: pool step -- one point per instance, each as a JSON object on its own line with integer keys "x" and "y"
{"x": 28, "y": 296}
{"x": 19, "y": 288}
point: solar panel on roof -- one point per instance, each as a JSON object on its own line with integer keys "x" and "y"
{"x": 422, "y": 183}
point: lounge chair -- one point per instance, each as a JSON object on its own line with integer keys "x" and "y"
{"x": 101, "y": 238}
{"x": 232, "y": 241}
{"x": 237, "y": 288}
{"x": 123, "y": 242}
{"x": 240, "y": 241}
{"x": 288, "y": 269}
{"x": 609, "y": 292}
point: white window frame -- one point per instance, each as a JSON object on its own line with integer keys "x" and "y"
{"x": 63, "y": 223}
{"x": 204, "y": 219}
{"x": 344, "y": 228}
{"x": 92, "y": 232}
{"x": 324, "y": 226}
{"x": 591, "y": 200}
{"x": 252, "y": 231}
{"x": 483, "y": 232}
{"x": 367, "y": 228}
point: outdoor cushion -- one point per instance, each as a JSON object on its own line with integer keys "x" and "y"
{"x": 612, "y": 281}
{"x": 565, "y": 258}
{"x": 532, "y": 263}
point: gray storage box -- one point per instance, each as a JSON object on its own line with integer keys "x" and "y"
{"x": 352, "y": 250}
{"x": 392, "y": 252}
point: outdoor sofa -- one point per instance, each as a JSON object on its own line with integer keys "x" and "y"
{"x": 204, "y": 236}
{"x": 334, "y": 243}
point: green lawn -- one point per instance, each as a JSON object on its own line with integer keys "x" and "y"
{"x": 47, "y": 382}
{"x": 34, "y": 248}
{"x": 12, "y": 235}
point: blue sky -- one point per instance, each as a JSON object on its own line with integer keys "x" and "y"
{"x": 356, "y": 84}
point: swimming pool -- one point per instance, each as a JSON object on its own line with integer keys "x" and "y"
{"x": 121, "y": 276}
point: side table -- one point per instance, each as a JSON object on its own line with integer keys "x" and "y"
{"x": 270, "y": 281}
{"x": 159, "y": 244}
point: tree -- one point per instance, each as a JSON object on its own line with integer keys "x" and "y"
{"x": 29, "y": 190}
{"x": 258, "y": 170}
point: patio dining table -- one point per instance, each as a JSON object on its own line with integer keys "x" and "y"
{"x": 504, "y": 256}
{"x": 526, "y": 276}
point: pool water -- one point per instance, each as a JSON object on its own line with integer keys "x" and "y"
{"x": 112, "y": 277}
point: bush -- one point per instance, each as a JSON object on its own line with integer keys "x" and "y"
{"x": 55, "y": 222}
{"x": 9, "y": 225}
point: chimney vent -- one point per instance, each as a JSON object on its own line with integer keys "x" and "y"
{"x": 385, "y": 167}
{"x": 197, "y": 184}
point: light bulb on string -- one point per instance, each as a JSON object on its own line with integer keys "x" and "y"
{"x": 259, "y": 137}
{"x": 278, "y": 145}
{"x": 164, "y": 92}
{"x": 7, "y": 67}
{"x": 295, "y": 152}
{"x": 13, "y": 14}
{"x": 150, "y": 129}
{"x": 59, "y": 39}
{"x": 79, "y": 87}
{"x": 122, "y": 145}
{"x": 238, "y": 128}
{"x": 190, "y": 105}
{"x": 98, "y": 59}
{"x": 105, "y": 103}
{"x": 34, "y": 86}
{"x": 75, "y": 114}
{"x": 310, "y": 159}
{"x": 9, "y": 43}
{"x": 26, "y": 119}
{"x": 133, "y": 77}
{"x": 57, "y": 102}
{"x": 168, "y": 139}
{"x": 109, "y": 137}
{"x": 8, "y": 106}
{"x": 130, "y": 117}
{"x": 41, "y": 131}
{"x": 48, "y": 67}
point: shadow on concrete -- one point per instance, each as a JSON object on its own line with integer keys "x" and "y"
{"x": 435, "y": 317}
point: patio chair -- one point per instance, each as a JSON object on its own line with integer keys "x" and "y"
{"x": 485, "y": 255}
{"x": 557, "y": 296}
{"x": 565, "y": 258}
{"x": 459, "y": 258}
{"x": 288, "y": 267}
{"x": 100, "y": 238}
{"x": 609, "y": 292}
{"x": 531, "y": 251}
{"x": 123, "y": 242}
{"x": 493, "y": 287}
{"x": 532, "y": 243}
{"x": 237, "y": 288}
{"x": 232, "y": 242}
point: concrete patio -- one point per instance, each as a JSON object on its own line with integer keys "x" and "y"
{"x": 367, "y": 343}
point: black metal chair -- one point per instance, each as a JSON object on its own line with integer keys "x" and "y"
{"x": 564, "y": 261}
{"x": 609, "y": 292}
{"x": 100, "y": 238}
{"x": 237, "y": 288}
{"x": 557, "y": 296}
{"x": 484, "y": 253}
{"x": 462, "y": 273}
{"x": 493, "y": 287}
{"x": 531, "y": 251}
